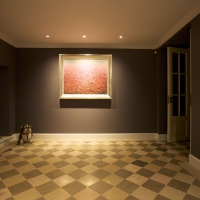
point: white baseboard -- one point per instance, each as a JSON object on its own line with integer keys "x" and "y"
{"x": 161, "y": 137}
{"x": 7, "y": 142}
{"x": 194, "y": 161}
{"x": 103, "y": 136}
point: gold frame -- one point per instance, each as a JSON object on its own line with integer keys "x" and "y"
{"x": 77, "y": 59}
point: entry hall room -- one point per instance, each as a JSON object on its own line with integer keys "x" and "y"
{"x": 99, "y": 100}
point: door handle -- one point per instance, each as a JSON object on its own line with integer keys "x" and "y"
{"x": 170, "y": 100}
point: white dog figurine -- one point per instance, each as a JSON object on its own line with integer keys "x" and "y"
{"x": 25, "y": 134}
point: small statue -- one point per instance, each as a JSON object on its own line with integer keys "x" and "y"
{"x": 25, "y": 134}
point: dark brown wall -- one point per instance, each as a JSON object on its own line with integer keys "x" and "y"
{"x": 162, "y": 91}
{"x": 195, "y": 60}
{"x": 133, "y": 108}
{"x": 7, "y": 88}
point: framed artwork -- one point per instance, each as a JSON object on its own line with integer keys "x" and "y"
{"x": 85, "y": 76}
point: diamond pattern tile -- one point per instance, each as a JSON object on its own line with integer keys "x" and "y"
{"x": 97, "y": 170}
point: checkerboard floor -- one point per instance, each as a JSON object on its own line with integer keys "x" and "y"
{"x": 97, "y": 170}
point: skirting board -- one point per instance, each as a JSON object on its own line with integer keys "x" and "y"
{"x": 7, "y": 142}
{"x": 103, "y": 136}
{"x": 194, "y": 161}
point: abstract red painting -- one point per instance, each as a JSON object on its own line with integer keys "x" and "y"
{"x": 85, "y": 76}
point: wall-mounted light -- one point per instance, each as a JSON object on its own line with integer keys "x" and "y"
{"x": 47, "y": 36}
{"x": 84, "y": 36}
{"x": 120, "y": 36}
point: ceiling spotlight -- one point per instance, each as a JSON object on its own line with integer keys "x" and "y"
{"x": 47, "y": 36}
{"x": 84, "y": 36}
{"x": 120, "y": 37}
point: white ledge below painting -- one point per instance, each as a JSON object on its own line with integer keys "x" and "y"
{"x": 85, "y": 96}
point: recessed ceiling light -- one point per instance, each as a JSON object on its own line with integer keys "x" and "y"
{"x": 120, "y": 37}
{"x": 84, "y": 36}
{"x": 47, "y": 36}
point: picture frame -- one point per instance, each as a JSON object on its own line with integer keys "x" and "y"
{"x": 85, "y": 76}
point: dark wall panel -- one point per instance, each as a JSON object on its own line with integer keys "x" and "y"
{"x": 195, "y": 58}
{"x": 7, "y": 89}
{"x": 132, "y": 109}
{"x": 5, "y": 101}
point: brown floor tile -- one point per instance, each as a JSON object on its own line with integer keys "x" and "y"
{"x": 100, "y": 173}
{"x": 100, "y": 187}
{"x": 47, "y": 187}
{"x": 127, "y": 186}
{"x": 32, "y": 174}
{"x": 74, "y": 187}
{"x": 20, "y": 187}
{"x": 55, "y": 174}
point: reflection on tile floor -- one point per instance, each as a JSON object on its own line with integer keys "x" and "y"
{"x": 97, "y": 170}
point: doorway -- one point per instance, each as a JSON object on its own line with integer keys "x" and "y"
{"x": 178, "y": 91}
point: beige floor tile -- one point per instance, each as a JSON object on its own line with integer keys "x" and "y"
{"x": 128, "y": 159}
{"x": 15, "y": 160}
{"x": 157, "y": 152}
{"x": 161, "y": 178}
{"x": 25, "y": 168}
{"x": 91, "y": 160}
{"x": 2, "y": 159}
{"x": 113, "y": 179}
{"x": 58, "y": 194}
{"x": 88, "y": 180}
{"x": 110, "y": 160}
{"x": 115, "y": 194}
{"x": 137, "y": 179}
{"x": 39, "y": 180}
{"x": 109, "y": 153}
{"x": 92, "y": 153}
{"x": 41, "y": 153}
{"x": 75, "y": 153}
{"x": 5, "y": 194}
{"x": 90, "y": 168}
{"x": 30, "y": 194}
{"x": 47, "y": 148}
{"x": 86, "y": 194}
{"x": 111, "y": 168}
{"x": 68, "y": 169}
{"x": 58, "y": 153}
{"x": 53, "y": 160}
{"x": 146, "y": 159}
{"x": 72, "y": 160}
{"x": 63, "y": 180}
{"x": 143, "y": 193}
{"x": 125, "y": 153}
{"x": 194, "y": 191}
{"x": 132, "y": 168}
{"x": 184, "y": 177}
{"x": 34, "y": 160}
{"x": 13, "y": 180}
{"x": 152, "y": 167}
{"x": 6, "y": 168}
{"x": 172, "y": 193}
{"x": 47, "y": 168}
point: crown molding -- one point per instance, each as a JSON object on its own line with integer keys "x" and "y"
{"x": 185, "y": 20}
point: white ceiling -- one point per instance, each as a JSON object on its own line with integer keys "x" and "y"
{"x": 142, "y": 23}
